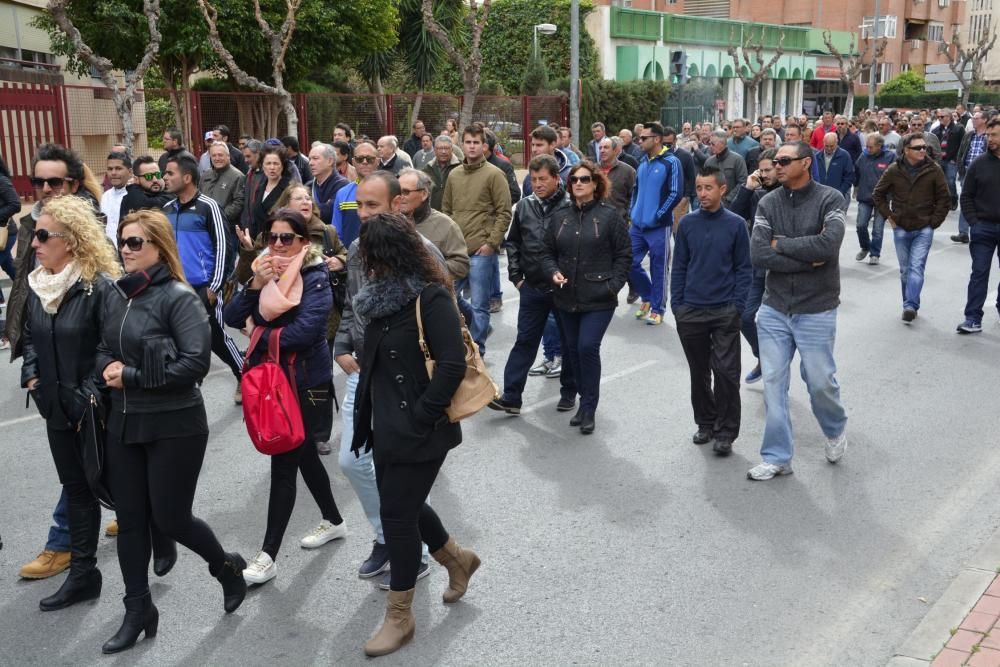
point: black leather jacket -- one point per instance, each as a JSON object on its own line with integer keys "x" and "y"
{"x": 162, "y": 336}
{"x": 60, "y": 351}
{"x": 590, "y": 246}
{"x": 525, "y": 242}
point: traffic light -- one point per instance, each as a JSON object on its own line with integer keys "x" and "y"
{"x": 678, "y": 67}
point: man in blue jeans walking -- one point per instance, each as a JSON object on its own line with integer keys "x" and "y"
{"x": 659, "y": 186}
{"x": 981, "y": 207}
{"x": 867, "y": 171}
{"x": 796, "y": 237}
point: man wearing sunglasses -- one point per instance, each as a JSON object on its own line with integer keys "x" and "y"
{"x": 796, "y": 238}
{"x": 146, "y": 190}
{"x": 345, "y": 203}
{"x": 913, "y": 197}
{"x": 200, "y": 229}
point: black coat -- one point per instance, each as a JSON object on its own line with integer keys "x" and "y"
{"x": 136, "y": 199}
{"x": 525, "y": 244}
{"x": 262, "y": 206}
{"x": 162, "y": 337}
{"x": 406, "y": 421}
{"x": 592, "y": 249}
{"x": 61, "y": 350}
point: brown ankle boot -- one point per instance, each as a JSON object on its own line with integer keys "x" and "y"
{"x": 397, "y": 628}
{"x": 461, "y": 564}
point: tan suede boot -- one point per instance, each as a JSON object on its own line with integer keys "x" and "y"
{"x": 461, "y": 564}
{"x": 397, "y": 628}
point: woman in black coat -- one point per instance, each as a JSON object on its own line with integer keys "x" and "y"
{"x": 400, "y": 410}
{"x": 587, "y": 254}
{"x": 61, "y": 334}
{"x": 277, "y": 176}
{"x": 155, "y": 352}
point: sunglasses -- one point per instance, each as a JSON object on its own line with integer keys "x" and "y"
{"x": 365, "y": 159}
{"x": 784, "y": 160}
{"x": 286, "y": 238}
{"x": 43, "y": 235}
{"x": 54, "y": 182}
{"x": 152, "y": 176}
{"x": 922, "y": 147}
{"x": 134, "y": 243}
{"x": 580, "y": 179}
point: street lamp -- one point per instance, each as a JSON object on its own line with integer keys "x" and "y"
{"x": 545, "y": 29}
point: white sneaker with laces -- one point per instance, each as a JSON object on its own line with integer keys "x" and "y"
{"x": 261, "y": 569}
{"x": 764, "y": 471}
{"x": 323, "y": 533}
{"x": 835, "y": 447}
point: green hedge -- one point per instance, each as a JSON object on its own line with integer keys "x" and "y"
{"x": 927, "y": 100}
{"x": 621, "y": 104}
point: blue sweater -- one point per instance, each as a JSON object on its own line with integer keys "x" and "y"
{"x": 711, "y": 265}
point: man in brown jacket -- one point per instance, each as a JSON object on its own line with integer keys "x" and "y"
{"x": 477, "y": 198}
{"x": 913, "y": 197}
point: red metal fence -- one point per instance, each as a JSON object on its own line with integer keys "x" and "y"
{"x": 84, "y": 118}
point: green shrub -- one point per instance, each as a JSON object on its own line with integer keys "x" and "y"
{"x": 621, "y": 104}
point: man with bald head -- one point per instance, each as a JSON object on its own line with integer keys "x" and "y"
{"x": 832, "y": 166}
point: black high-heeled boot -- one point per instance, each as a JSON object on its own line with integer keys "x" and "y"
{"x": 234, "y": 586}
{"x": 84, "y": 581}
{"x": 141, "y": 615}
{"x": 164, "y": 551}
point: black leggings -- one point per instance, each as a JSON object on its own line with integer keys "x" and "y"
{"x": 64, "y": 448}
{"x": 316, "y": 406}
{"x": 156, "y": 481}
{"x": 407, "y": 519}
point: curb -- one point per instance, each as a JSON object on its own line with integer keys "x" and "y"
{"x": 930, "y": 635}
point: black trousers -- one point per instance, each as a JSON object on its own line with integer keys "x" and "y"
{"x": 64, "y": 448}
{"x": 222, "y": 344}
{"x": 407, "y": 519}
{"x": 155, "y": 482}
{"x": 711, "y": 342}
{"x": 317, "y": 407}
{"x": 532, "y": 314}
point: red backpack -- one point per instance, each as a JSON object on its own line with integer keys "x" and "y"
{"x": 270, "y": 402}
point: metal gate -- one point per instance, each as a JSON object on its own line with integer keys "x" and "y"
{"x": 30, "y": 115}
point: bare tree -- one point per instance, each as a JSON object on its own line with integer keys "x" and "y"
{"x": 124, "y": 99}
{"x": 967, "y": 63}
{"x": 468, "y": 64}
{"x": 757, "y": 73}
{"x": 852, "y": 64}
{"x": 278, "y": 42}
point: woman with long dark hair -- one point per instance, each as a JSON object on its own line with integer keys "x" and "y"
{"x": 277, "y": 175}
{"x": 588, "y": 254}
{"x": 301, "y": 312}
{"x": 76, "y": 266}
{"x": 155, "y": 351}
{"x": 400, "y": 412}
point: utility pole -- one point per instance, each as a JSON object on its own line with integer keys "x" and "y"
{"x": 574, "y": 68}
{"x": 874, "y": 70}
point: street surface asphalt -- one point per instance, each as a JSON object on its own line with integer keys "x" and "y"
{"x": 630, "y": 546}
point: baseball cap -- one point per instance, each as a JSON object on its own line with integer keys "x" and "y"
{"x": 209, "y": 135}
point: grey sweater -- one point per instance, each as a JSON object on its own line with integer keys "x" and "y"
{"x": 809, "y": 227}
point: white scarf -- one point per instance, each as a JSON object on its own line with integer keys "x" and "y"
{"x": 50, "y": 288}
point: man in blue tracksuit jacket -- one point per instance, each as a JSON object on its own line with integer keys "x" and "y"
{"x": 199, "y": 228}
{"x": 659, "y": 186}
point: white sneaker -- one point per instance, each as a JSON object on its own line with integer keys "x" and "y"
{"x": 835, "y": 447}
{"x": 764, "y": 471}
{"x": 873, "y": 260}
{"x": 261, "y": 569}
{"x": 324, "y": 533}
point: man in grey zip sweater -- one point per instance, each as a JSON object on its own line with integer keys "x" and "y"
{"x": 796, "y": 237}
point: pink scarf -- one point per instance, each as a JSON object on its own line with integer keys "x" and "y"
{"x": 281, "y": 295}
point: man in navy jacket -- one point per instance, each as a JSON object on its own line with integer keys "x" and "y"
{"x": 832, "y": 166}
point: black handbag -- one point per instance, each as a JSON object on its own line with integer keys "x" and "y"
{"x": 338, "y": 279}
{"x": 91, "y": 432}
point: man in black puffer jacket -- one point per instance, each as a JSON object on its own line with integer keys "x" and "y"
{"x": 524, "y": 245}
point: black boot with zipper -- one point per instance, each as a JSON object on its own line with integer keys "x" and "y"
{"x": 141, "y": 616}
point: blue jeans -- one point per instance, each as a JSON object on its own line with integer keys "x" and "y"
{"x": 583, "y": 335}
{"x": 532, "y": 319}
{"x": 59, "y": 530}
{"x": 813, "y": 335}
{"x": 874, "y": 244}
{"x": 984, "y": 242}
{"x": 912, "y": 249}
{"x": 950, "y": 174}
{"x": 651, "y": 287}
{"x": 748, "y": 320}
{"x": 963, "y": 224}
{"x": 551, "y": 338}
{"x": 495, "y": 291}
{"x": 479, "y": 281}
{"x": 359, "y": 470}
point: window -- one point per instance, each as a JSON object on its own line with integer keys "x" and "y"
{"x": 886, "y": 27}
{"x": 943, "y": 3}
{"x": 905, "y": 67}
{"x": 935, "y": 32}
{"x": 882, "y": 73}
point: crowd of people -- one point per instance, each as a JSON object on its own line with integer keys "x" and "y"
{"x": 360, "y": 252}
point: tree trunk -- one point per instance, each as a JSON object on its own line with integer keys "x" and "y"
{"x": 415, "y": 113}
{"x": 291, "y": 115}
{"x": 471, "y": 89}
{"x": 123, "y": 104}
{"x": 849, "y": 104}
{"x": 381, "y": 113}
{"x": 753, "y": 90}
{"x": 965, "y": 94}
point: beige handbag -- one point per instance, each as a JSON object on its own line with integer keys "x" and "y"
{"x": 477, "y": 388}
{"x": 4, "y": 235}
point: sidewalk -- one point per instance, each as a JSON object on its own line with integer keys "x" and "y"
{"x": 963, "y": 626}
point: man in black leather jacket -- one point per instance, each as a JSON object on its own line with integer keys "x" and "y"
{"x": 524, "y": 245}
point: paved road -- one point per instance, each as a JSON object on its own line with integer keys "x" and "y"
{"x": 631, "y": 546}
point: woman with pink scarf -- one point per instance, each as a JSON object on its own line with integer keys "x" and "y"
{"x": 290, "y": 290}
